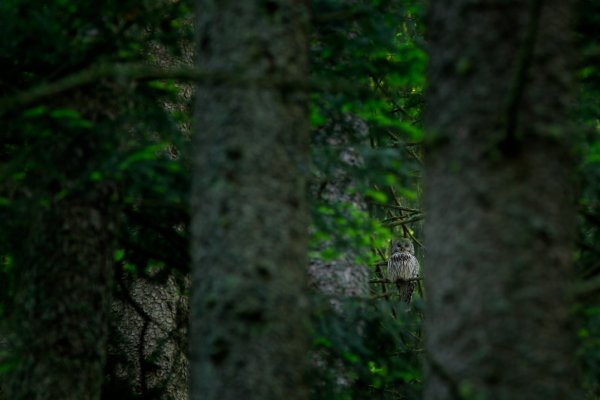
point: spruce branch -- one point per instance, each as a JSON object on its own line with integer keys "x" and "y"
{"x": 120, "y": 72}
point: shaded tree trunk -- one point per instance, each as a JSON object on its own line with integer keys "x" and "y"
{"x": 248, "y": 334}
{"x": 60, "y": 313}
{"x": 148, "y": 341}
{"x": 500, "y": 202}
{"x": 341, "y": 278}
{"x": 148, "y": 330}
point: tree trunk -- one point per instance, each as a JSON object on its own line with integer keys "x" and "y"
{"x": 148, "y": 330}
{"x": 249, "y": 225}
{"x": 59, "y": 320}
{"x": 342, "y": 278}
{"x": 500, "y": 202}
{"x": 147, "y": 352}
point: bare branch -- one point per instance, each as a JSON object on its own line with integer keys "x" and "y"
{"x": 397, "y": 207}
{"x": 405, "y": 221}
{"x": 388, "y": 281}
{"x": 132, "y": 72}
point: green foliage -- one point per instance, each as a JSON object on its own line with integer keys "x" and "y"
{"x": 366, "y": 161}
{"x": 354, "y": 229}
{"x": 128, "y": 136}
{"x": 366, "y": 352}
{"x": 364, "y": 179}
{"x": 359, "y": 137}
{"x": 111, "y": 136}
{"x": 588, "y": 146}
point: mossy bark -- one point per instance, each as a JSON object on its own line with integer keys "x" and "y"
{"x": 248, "y": 312}
{"x": 58, "y": 323}
{"x": 500, "y": 202}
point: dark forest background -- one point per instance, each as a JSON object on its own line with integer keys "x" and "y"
{"x": 98, "y": 163}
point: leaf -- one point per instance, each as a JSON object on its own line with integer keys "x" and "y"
{"x": 119, "y": 255}
{"x": 65, "y": 113}
{"x": 377, "y": 196}
{"x": 132, "y": 268}
{"x": 71, "y": 117}
{"x": 147, "y": 153}
{"x": 35, "y": 112}
{"x": 322, "y": 341}
{"x": 408, "y": 194}
{"x": 95, "y": 176}
{"x": 7, "y": 263}
{"x": 165, "y": 86}
{"x": 353, "y": 358}
{"x": 374, "y": 369}
{"x": 316, "y": 118}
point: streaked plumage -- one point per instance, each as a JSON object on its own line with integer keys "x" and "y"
{"x": 403, "y": 265}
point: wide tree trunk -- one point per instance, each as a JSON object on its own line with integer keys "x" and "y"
{"x": 60, "y": 313}
{"x": 248, "y": 313}
{"x": 500, "y": 202}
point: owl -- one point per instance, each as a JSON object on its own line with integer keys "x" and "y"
{"x": 403, "y": 265}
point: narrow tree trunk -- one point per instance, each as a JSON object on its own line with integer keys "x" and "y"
{"x": 148, "y": 330}
{"x": 147, "y": 348}
{"x": 59, "y": 320}
{"x": 249, "y": 222}
{"x": 499, "y": 198}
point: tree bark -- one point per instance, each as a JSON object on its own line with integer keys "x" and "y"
{"x": 341, "y": 278}
{"x": 249, "y": 224}
{"x": 59, "y": 321}
{"x": 148, "y": 330}
{"x": 500, "y": 202}
{"x": 147, "y": 348}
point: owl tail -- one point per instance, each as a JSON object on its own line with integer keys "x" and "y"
{"x": 406, "y": 290}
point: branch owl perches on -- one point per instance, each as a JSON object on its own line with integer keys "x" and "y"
{"x": 402, "y": 267}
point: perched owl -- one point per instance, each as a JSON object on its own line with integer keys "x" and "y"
{"x": 403, "y": 265}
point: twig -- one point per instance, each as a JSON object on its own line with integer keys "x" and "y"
{"x": 583, "y": 288}
{"x": 339, "y": 16}
{"x": 383, "y": 283}
{"x": 132, "y": 72}
{"x": 414, "y": 155}
{"x": 388, "y": 281}
{"x": 407, "y": 209}
{"x": 405, "y": 230}
{"x": 413, "y": 237}
{"x": 380, "y": 272}
{"x": 379, "y": 281}
{"x": 388, "y": 96}
{"x": 400, "y": 218}
{"x": 406, "y": 221}
{"x": 384, "y": 294}
{"x": 381, "y": 263}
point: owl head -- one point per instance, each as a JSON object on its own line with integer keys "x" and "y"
{"x": 403, "y": 246}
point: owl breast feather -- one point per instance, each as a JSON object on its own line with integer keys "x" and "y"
{"x": 402, "y": 265}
